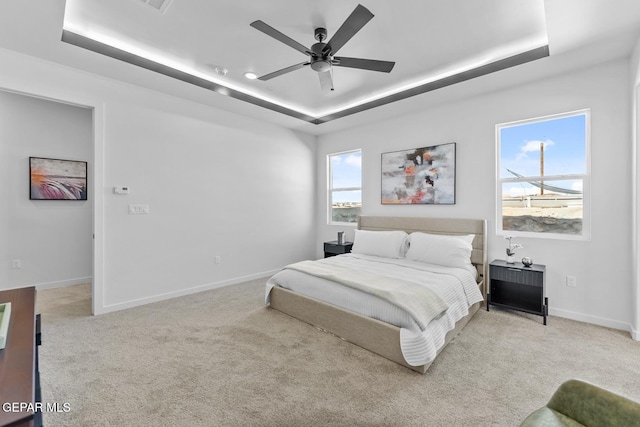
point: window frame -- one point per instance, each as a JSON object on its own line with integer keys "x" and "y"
{"x": 586, "y": 180}
{"x": 331, "y": 190}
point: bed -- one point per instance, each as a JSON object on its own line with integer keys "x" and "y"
{"x": 410, "y": 341}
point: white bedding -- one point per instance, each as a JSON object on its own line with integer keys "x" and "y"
{"x": 456, "y": 286}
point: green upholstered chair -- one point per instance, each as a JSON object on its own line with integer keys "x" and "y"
{"x": 577, "y": 403}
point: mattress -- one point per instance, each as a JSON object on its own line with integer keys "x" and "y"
{"x": 456, "y": 286}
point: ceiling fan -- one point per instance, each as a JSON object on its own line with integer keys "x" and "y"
{"x": 322, "y": 55}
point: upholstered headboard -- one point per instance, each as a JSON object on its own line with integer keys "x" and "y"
{"x": 451, "y": 226}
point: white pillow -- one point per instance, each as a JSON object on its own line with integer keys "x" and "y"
{"x": 388, "y": 244}
{"x": 440, "y": 249}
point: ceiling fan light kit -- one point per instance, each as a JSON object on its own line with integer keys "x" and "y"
{"x": 320, "y": 61}
{"x": 322, "y": 55}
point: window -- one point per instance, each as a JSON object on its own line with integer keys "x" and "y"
{"x": 345, "y": 186}
{"x": 543, "y": 173}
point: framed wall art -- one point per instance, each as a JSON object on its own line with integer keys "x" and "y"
{"x": 420, "y": 176}
{"x": 55, "y": 179}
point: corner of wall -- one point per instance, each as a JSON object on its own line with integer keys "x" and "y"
{"x": 635, "y": 64}
{"x": 635, "y": 141}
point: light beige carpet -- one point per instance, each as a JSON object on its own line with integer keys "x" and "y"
{"x": 220, "y": 358}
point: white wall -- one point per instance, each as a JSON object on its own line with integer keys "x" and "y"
{"x": 603, "y": 265}
{"x": 217, "y": 184}
{"x": 244, "y": 194}
{"x": 51, "y": 239}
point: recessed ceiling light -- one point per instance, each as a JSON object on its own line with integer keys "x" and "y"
{"x": 250, "y": 75}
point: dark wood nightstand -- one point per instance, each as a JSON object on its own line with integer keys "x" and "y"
{"x": 518, "y": 287}
{"x": 333, "y": 248}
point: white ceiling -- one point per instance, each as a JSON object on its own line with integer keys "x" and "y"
{"x": 426, "y": 38}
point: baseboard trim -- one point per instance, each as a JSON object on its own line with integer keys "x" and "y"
{"x": 63, "y": 283}
{"x": 600, "y": 321}
{"x": 609, "y": 323}
{"x": 183, "y": 292}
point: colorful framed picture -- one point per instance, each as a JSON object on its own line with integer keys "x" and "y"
{"x": 420, "y": 176}
{"x": 54, "y": 179}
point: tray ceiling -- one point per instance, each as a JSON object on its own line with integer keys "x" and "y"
{"x": 433, "y": 44}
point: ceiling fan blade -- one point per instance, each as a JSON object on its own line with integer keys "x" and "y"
{"x": 364, "y": 64}
{"x": 326, "y": 82}
{"x": 354, "y": 23}
{"x": 283, "y": 71}
{"x": 270, "y": 31}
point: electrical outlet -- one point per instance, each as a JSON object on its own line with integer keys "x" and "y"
{"x": 218, "y": 259}
{"x": 16, "y": 264}
{"x": 138, "y": 209}
{"x": 571, "y": 281}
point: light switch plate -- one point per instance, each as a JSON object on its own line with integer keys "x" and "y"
{"x": 121, "y": 190}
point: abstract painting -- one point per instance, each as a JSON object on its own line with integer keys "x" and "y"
{"x": 54, "y": 179}
{"x": 424, "y": 175}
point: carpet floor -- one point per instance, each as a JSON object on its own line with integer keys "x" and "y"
{"x": 221, "y": 358}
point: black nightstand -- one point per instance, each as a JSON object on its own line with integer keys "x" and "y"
{"x": 518, "y": 287}
{"x": 334, "y": 248}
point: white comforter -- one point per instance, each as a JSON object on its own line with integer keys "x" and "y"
{"x": 456, "y": 286}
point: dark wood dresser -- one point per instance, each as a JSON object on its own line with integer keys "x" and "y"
{"x": 19, "y": 376}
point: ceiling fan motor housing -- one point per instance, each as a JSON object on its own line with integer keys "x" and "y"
{"x": 320, "y": 62}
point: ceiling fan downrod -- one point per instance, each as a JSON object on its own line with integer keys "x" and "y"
{"x": 320, "y": 61}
